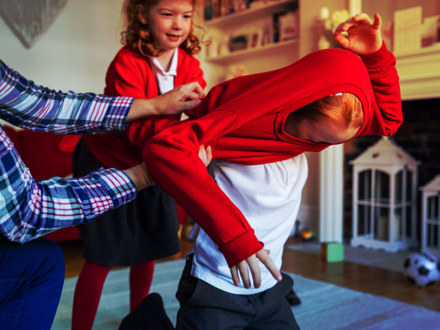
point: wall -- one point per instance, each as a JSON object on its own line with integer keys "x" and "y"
{"x": 76, "y": 50}
{"x": 386, "y": 8}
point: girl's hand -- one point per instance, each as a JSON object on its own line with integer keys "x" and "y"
{"x": 251, "y": 263}
{"x": 361, "y": 35}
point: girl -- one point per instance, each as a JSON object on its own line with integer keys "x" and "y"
{"x": 157, "y": 56}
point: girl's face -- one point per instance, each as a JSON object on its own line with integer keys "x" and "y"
{"x": 170, "y": 23}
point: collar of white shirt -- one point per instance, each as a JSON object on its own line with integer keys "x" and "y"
{"x": 159, "y": 69}
{"x": 165, "y": 80}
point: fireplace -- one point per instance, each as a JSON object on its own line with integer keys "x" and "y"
{"x": 419, "y": 74}
{"x": 419, "y": 135}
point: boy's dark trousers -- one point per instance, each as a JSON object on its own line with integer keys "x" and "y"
{"x": 206, "y": 307}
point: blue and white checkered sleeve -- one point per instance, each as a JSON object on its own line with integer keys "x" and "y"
{"x": 34, "y": 107}
{"x": 29, "y": 209}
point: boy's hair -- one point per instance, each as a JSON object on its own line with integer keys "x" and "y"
{"x": 137, "y": 35}
{"x": 342, "y": 105}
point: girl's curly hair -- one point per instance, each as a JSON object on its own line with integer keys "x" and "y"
{"x": 137, "y": 35}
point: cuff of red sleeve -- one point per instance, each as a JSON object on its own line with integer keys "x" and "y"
{"x": 378, "y": 58}
{"x": 117, "y": 185}
{"x": 241, "y": 248}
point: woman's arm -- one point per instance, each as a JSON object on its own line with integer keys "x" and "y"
{"x": 38, "y": 108}
{"x": 29, "y": 208}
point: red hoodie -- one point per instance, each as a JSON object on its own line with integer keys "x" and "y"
{"x": 130, "y": 74}
{"x": 243, "y": 120}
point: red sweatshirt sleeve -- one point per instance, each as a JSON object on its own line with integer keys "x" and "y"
{"x": 387, "y": 116}
{"x": 172, "y": 160}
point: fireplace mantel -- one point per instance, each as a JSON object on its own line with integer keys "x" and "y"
{"x": 419, "y": 73}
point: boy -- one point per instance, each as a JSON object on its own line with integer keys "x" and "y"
{"x": 267, "y": 121}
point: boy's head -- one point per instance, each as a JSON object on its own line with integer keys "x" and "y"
{"x": 155, "y": 26}
{"x": 333, "y": 119}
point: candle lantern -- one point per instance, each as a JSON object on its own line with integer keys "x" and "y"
{"x": 431, "y": 215}
{"x": 384, "y": 197}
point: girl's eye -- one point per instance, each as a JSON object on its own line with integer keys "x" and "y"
{"x": 167, "y": 14}
{"x": 187, "y": 16}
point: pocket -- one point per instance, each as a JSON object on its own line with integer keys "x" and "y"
{"x": 187, "y": 285}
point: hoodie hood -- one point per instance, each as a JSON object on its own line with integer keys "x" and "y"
{"x": 313, "y": 77}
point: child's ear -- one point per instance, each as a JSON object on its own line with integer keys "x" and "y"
{"x": 140, "y": 14}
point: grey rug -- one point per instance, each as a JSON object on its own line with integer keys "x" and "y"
{"x": 370, "y": 257}
{"x": 324, "y": 306}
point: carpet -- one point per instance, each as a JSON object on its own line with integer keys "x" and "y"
{"x": 370, "y": 257}
{"x": 324, "y": 306}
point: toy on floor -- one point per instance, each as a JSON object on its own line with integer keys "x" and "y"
{"x": 422, "y": 268}
{"x": 308, "y": 235}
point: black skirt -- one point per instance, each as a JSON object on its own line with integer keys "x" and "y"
{"x": 143, "y": 230}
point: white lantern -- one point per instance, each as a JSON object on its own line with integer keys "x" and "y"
{"x": 431, "y": 215}
{"x": 384, "y": 197}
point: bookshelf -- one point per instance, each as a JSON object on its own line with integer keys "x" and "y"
{"x": 260, "y": 50}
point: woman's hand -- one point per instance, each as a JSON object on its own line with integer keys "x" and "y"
{"x": 181, "y": 98}
{"x": 359, "y": 34}
{"x": 140, "y": 177}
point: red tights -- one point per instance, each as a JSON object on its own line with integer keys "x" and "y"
{"x": 89, "y": 287}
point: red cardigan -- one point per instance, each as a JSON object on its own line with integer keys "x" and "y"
{"x": 130, "y": 74}
{"x": 243, "y": 120}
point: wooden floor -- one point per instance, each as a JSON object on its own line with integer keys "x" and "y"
{"x": 350, "y": 275}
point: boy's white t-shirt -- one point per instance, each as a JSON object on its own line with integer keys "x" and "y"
{"x": 269, "y": 197}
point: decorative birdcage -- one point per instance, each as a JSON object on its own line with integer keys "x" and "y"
{"x": 384, "y": 197}
{"x": 431, "y": 215}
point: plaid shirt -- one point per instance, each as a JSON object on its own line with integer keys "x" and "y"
{"x": 28, "y": 208}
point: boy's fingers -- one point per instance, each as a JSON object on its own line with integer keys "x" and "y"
{"x": 205, "y": 154}
{"x": 209, "y": 154}
{"x": 244, "y": 273}
{"x": 270, "y": 265}
{"x": 377, "y": 21}
{"x": 235, "y": 277}
{"x": 362, "y": 18}
{"x": 341, "y": 39}
{"x": 255, "y": 270}
{"x": 343, "y": 27}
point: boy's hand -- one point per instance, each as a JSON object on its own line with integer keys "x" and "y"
{"x": 205, "y": 154}
{"x": 252, "y": 264}
{"x": 362, "y": 36}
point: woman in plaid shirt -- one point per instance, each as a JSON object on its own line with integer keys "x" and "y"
{"x": 32, "y": 274}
